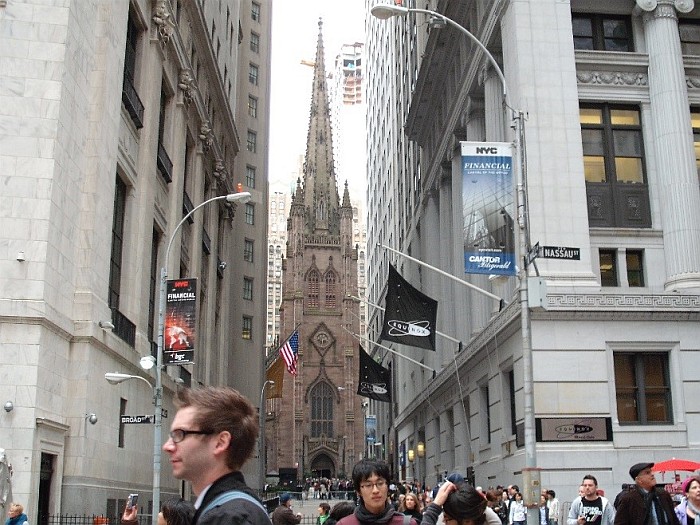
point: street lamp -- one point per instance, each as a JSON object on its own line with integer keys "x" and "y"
{"x": 262, "y": 453}
{"x": 530, "y": 471}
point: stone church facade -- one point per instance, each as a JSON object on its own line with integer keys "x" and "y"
{"x": 317, "y": 428}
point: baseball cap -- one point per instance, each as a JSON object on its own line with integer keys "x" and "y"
{"x": 638, "y": 467}
{"x": 455, "y": 478}
{"x": 285, "y": 497}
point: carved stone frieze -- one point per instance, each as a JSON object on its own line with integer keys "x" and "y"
{"x": 206, "y": 135}
{"x": 612, "y": 78}
{"x": 624, "y": 302}
{"x": 163, "y": 18}
{"x": 187, "y": 84}
{"x": 692, "y": 82}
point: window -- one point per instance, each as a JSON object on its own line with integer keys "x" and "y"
{"x": 249, "y": 213}
{"x": 322, "y": 410}
{"x": 608, "y": 267}
{"x": 248, "y": 246}
{"x": 248, "y": 288}
{"x": 330, "y": 290}
{"x": 602, "y": 32}
{"x": 255, "y": 12}
{"x": 253, "y": 74}
{"x": 152, "y": 290}
{"x": 115, "y": 262}
{"x": 689, "y": 31}
{"x": 252, "y": 141}
{"x": 252, "y": 106}
{"x": 247, "y": 328}
{"x": 254, "y": 42}
{"x": 313, "y": 280}
{"x": 250, "y": 176}
{"x": 642, "y": 388}
{"x": 635, "y": 267}
{"x": 613, "y": 162}
{"x": 485, "y": 407}
{"x": 130, "y": 97}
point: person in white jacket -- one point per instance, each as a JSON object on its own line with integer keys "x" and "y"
{"x": 590, "y": 507}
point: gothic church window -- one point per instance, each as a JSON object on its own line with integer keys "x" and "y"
{"x": 330, "y": 290}
{"x": 322, "y": 410}
{"x": 313, "y": 280}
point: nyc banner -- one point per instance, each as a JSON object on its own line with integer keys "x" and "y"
{"x": 180, "y": 321}
{"x": 488, "y": 207}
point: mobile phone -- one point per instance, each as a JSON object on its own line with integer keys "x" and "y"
{"x": 132, "y": 500}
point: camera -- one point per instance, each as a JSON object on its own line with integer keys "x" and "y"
{"x": 132, "y": 501}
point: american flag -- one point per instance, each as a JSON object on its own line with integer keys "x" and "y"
{"x": 289, "y": 351}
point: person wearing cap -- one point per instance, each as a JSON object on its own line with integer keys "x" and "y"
{"x": 283, "y": 514}
{"x": 460, "y": 503}
{"x": 688, "y": 511}
{"x": 590, "y": 507}
{"x": 645, "y": 504}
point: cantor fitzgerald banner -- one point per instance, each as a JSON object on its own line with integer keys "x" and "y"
{"x": 488, "y": 207}
{"x": 180, "y": 321}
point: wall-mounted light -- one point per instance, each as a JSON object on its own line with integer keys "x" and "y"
{"x": 92, "y": 418}
{"x": 411, "y": 455}
{"x": 147, "y": 362}
{"x": 421, "y": 449}
{"x": 106, "y": 325}
{"x": 8, "y": 406}
{"x": 20, "y": 255}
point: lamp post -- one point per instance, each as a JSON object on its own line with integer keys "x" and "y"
{"x": 115, "y": 377}
{"x": 262, "y": 453}
{"x": 531, "y": 480}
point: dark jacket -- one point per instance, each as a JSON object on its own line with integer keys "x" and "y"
{"x": 283, "y": 515}
{"x": 397, "y": 519}
{"x": 235, "y": 512}
{"x": 633, "y": 511}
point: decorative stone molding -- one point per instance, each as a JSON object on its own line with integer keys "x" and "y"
{"x": 206, "y": 135}
{"x": 220, "y": 171}
{"x": 163, "y": 18}
{"x": 612, "y": 78}
{"x": 682, "y": 6}
{"x": 187, "y": 84}
{"x": 692, "y": 82}
{"x": 669, "y": 303}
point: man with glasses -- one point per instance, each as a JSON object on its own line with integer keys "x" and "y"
{"x": 370, "y": 478}
{"x": 212, "y": 435}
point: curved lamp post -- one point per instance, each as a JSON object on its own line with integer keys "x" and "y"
{"x": 530, "y": 471}
{"x": 147, "y": 362}
{"x": 262, "y": 453}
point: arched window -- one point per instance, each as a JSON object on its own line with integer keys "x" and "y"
{"x": 313, "y": 289}
{"x": 330, "y": 290}
{"x": 322, "y": 411}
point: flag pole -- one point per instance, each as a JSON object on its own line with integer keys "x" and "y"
{"x": 389, "y": 350}
{"x": 501, "y": 301}
{"x": 437, "y": 332}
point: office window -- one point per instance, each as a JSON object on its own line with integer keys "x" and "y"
{"x": 642, "y": 388}
{"x": 252, "y": 106}
{"x": 608, "y": 267}
{"x": 602, "y": 32}
{"x": 635, "y": 267}
{"x": 249, "y": 213}
{"x": 255, "y": 12}
{"x": 130, "y": 96}
{"x": 253, "y": 74}
{"x": 248, "y": 246}
{"x": 613, "y": 161}
{"x": 322, "y": 410}
{"x": 689, "y": 31}
{"x": 250, "y": 176}
{"x": 248, "y": 288}
{"x": 254, "y": 42}
{"x": 485, "y": 413}
{"x": 153, "y": 291}
{"x": 115, "y": 261}
{"x": 252, "y": 141}
{"x": 247, "y": 328}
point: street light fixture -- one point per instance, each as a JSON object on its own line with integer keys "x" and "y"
{"x": 530, "y": 471}
{"x": 262, "y": 453}
{"x": 147, "y": 362}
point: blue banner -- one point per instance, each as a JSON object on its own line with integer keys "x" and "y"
{"x": 488, "y": 208}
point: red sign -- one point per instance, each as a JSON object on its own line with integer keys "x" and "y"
{"x": 180, "y": 321}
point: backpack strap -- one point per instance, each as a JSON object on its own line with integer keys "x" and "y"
{"x": 231, "y": 495}
{"x": 406, "y": 519}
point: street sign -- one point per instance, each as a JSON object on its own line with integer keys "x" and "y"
{"x": 533, "y": 253}
{"x": 560, "y": 252}
{"x": 139, "y": 420}
{"x": 163, "y": 413}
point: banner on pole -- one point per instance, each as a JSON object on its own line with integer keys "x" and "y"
{"x": 488, "y": 208}
{"x": 180, "y": 321}
{"x": 371, "y": 429}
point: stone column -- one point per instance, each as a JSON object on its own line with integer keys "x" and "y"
{"x": 679, "y": 194}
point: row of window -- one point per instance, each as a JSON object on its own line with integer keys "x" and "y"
{"x": 614, "y": 33}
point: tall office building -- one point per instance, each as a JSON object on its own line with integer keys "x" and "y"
{"x": 118, "y": 119}
{"x": 599, "y": 361}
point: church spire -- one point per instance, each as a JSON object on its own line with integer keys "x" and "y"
{"x": 321, "y": 198}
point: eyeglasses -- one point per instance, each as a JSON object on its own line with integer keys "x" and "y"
{"x": 380, "y": 484}
{"x": 178, "y": 434}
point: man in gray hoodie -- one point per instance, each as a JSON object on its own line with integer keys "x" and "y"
{"x": 590, "y": 507}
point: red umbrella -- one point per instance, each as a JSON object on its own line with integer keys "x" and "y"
{"x": 676, "y": 464}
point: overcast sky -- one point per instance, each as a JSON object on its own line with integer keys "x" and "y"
{"x": 294, "y": 36}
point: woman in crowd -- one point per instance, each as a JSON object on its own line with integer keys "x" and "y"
{"x": 16, "y": 515}
{"x": 517, "y": 513}
{"x": 688, "y": 512}
{"x": 411, "y": 506}
{"x": 174, "y": 511}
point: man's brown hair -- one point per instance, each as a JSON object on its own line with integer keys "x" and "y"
{"x": 219, "y": 409}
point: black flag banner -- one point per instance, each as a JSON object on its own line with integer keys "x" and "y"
{"x": 410, "y": 315}
{"x": 375, "y": 380}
